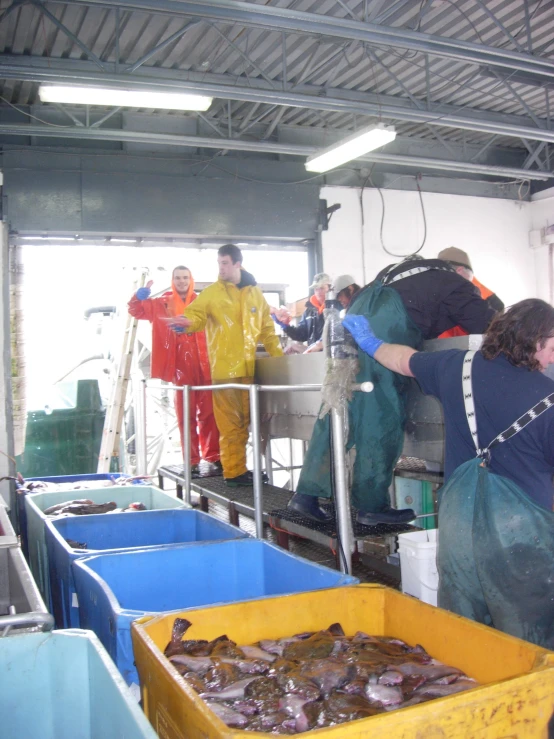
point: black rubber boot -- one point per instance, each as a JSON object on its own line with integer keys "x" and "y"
{"x": 308, "y": 505}
{"x": 388, "y": 515}
{"x": 244, "y": 480}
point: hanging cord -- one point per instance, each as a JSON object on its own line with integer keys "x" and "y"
{"x": 362, "y": 212}
{"x": 392, "y": 254}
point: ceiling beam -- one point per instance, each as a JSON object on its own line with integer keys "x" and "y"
{"x": 142, "y": 137}
{"x": 40, "y": 69}
{"x": 274, "y": 18}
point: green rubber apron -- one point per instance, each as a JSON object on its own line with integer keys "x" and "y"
{"x": 496, "y": 545}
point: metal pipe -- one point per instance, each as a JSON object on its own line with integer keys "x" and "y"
{"x": 21, "y": 620}
{"x": 268, "y": 462}
{"x": 342, "y": 504}
{"x": 35, "y": 69}
{"x": 256, "y": 452}
{"x": 145, "y": 137}
{"x": 139, "y": 392}
{"x": 144, "y": 460}
{"x": 275, "y": 18}
{"x": 187, "y": 466}
{"x": 237, "y": 386}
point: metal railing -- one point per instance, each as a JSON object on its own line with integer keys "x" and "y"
{"x": 342, "y": 504}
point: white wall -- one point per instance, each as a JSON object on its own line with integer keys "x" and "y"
{"x": 494, "y": 232}
{"x": 542, "y": 214}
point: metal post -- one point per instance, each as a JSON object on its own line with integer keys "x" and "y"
{"x": 341, "y": 491}
{"x": 187, "y": 466}
{"x": 291, "y": 465}
{"x": 139, "y": 390}
{"x": 268, "y": 462}
{"x": 144, "y": 450}
{"x": 256, "y": 453}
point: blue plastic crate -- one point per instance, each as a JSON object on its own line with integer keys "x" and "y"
{"x": 63, "y": 685}
{"x": 87, "y": 477}
{"x": 35, "y": 503}
{"x": 21, "y": 513}
{"x": 119, "y": 532}
{"x": 116, "y": 589}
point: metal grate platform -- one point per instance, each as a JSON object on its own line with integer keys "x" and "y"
{"x": 325, "y": 533}
{"x": 275, "y": 512}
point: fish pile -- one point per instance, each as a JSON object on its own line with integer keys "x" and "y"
{"x": 310, "y": 680}
{"x": 87, "y": 507}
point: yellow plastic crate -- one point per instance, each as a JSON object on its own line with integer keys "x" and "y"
{"x": 515, "y": 698}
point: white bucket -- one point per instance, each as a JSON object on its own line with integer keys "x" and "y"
{"x": 418, "y": 564}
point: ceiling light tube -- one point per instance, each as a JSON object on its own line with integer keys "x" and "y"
{"x": 352, "y": 147}
{"x": 122, "y": 98}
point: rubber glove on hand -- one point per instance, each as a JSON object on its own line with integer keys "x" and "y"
{"x": 178, "y": 324}
{"x": 143, "y": 293}
{"x": 363, "y": 333}
{"x": 278, "y": 322}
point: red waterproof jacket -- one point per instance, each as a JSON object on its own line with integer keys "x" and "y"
{"x": 178, "y": 358}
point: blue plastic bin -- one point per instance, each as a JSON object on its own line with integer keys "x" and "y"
{"x": 119, "y": 532}
{"x": 35, "y": 503}
{"x": 63, "y": 685}
{"x": 57, "y": 480}
{"x": 116, "y": 589}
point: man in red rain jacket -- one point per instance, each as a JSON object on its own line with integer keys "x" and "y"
{"x": 181, "y": 359}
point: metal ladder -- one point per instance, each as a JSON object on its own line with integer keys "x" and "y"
{"x": 115, "y": 412}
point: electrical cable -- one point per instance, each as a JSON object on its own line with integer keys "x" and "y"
{"x": 36, "y": 118}
{"x": 392, "y": 254}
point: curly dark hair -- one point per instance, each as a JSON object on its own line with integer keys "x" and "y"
{"x": 517, "y": 332}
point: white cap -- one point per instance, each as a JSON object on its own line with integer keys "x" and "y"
{"x": 343, "y": 281}
{"x": 320, "y": 280}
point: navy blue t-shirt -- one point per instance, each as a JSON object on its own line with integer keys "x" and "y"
{"x": 502, "y": 393}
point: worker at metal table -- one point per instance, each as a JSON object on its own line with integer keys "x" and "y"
{"x": 408, "y": 302}
{"x": 346, "y": 288}
{"x": 496, "y": 553}
{"x": 235, "y": 315}
{"x": 461, "y": 262}
{"x": 310, "y": 326}
{"x": 182, "y": 360}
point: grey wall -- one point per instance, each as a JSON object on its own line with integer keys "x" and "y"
{"x": 118, "y": 193}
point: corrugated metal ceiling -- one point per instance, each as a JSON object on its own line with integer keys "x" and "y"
{"x": 222, "y": 48}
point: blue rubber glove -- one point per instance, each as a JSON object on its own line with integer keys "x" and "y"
{"x": 178, "y": 329}
{"x": 363, "y": 333}
{"x": 143, "y": 293}
{"x": 278, "y": 322}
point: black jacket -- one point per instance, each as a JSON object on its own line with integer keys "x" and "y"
{"x": 310, "y": 326}
{"x": 439, "y": 298}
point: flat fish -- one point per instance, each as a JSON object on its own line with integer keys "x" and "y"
{"x": 232, "y": 718}
{"x": 257, "y": 653}
{"x": 232, "y": 692}
{"x": 195, "y": 664}
{"x": 76, "y": 544}
{"x": 383, "y": 694}
{"x": 441, "y": 691}
{"x": 60, "y": 506}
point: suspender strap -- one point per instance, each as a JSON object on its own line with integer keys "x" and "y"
{"x": 410, "y": 272}
{"x": 468, "y": 397}
{"x": 537, "y": 410}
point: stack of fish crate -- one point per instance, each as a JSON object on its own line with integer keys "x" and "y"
{"x": 76, "y": 690}
{"x": 37, "y": 496}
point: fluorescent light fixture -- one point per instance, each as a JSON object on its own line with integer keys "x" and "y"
{"x": 122, "y": 98}
{"x": 350, "y": 148}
